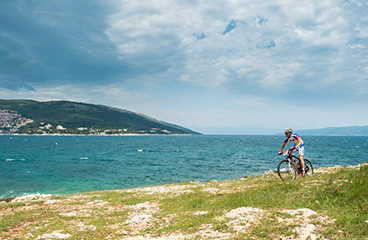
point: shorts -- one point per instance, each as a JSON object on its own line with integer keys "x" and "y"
{"x": 300, "y": 149}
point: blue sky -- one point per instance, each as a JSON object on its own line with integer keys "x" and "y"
{"x": 218, "y": 67}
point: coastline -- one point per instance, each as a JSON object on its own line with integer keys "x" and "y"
{"x": 321, "y": 170}
{"x": 126, "y": 134}
{"x": 261, "y": 207}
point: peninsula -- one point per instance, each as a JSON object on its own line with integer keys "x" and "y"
{"x": 65, "y": 117}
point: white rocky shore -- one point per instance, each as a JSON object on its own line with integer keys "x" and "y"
{"x": 142, "y": 216}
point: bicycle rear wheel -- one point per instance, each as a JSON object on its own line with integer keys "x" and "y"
{"x": 309, "y": 171}
{"x": 286, "y": 170}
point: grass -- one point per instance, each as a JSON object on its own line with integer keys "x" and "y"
{"x": 341, "y": 195}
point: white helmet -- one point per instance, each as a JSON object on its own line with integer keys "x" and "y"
{"x": 288, "y": 130}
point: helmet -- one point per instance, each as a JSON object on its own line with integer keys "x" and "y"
{"x": 288, "y": 130}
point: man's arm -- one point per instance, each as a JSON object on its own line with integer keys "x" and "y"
{"x": 299, "y": 143}
{"x": 282, "y": 147}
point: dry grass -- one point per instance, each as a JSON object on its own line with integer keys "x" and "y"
{"x": 333, "y": 205}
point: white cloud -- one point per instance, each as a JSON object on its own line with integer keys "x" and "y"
{"x": 310, "y": 37}
{"x": 195, "y": 63}
{"x": 107, "y": 95}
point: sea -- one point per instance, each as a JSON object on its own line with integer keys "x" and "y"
{"x": 74, "y": 164}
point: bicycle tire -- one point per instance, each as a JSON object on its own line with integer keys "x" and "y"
{"x": 308, "y": 165}
{"x": 286, "y": 170}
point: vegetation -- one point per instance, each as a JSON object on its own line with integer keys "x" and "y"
{"x": 332, "y": 205}
{"x": 86, "y": 118}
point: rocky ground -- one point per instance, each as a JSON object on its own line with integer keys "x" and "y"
{"x": 75, "y": 215}
{"x": 141, "y": 217}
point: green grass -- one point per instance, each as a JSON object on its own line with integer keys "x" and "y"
{"x": 340, "y": 195}
{"x": 12, "y": 220}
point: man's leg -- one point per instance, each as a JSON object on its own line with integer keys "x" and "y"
{"x": 301, "y": 157}
{"x": 302, "y": 161}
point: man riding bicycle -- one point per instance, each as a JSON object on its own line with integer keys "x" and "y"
{"x": 298, "y": 146}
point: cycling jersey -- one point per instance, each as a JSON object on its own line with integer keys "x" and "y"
{"x": 294, "y": 138}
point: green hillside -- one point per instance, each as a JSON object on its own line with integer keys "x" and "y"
{"x": 74, "y": 115}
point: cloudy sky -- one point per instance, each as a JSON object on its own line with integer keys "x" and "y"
{"x": 218, "y": 67}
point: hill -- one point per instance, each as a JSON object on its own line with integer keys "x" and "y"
{"x": 75, "y": 117}
{"x": 337, "y": 131}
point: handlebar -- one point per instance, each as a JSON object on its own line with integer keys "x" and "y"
{"x": 285, "y": 153}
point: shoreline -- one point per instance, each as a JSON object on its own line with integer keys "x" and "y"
{"x": 257, "y": 207}
{"x": 126, "y": 134}
{"x": 321, "y": 170}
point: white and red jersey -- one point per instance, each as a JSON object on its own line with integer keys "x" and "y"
{"x": 294, "y": 138}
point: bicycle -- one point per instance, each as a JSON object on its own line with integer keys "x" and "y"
{"x": 289, "y": 168}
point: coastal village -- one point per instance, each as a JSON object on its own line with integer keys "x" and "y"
{"x": 11, "y": 122}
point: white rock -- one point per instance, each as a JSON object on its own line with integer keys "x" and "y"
{"x": 248, "y": 213}
{"x": 31, "y": 197}
{"x": 143, "y": 218}
{"x": 303, "y": 211}
{"x": 69, "y": 214}
{"x": 50, "y": 202}
{"x": 175, "y": 190}
{"x": 80, "y": 225}
{"x": 201, "y": 213}
{"x": 306, "y": 231}
{"x": 146, "y": 207}
{"x": 98, "y": 203}
{"x": 212, "y": 190}
{"x": 243, "y": 218}
{"x": 88, "y": 228}
{"x": 54, "y": 235}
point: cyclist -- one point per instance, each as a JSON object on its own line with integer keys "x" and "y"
{"x": 298, "y": 146}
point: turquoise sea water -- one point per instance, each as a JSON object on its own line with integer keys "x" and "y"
{"x": 66, "y": 164}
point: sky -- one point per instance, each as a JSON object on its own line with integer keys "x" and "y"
{"x": 216, "y": 67}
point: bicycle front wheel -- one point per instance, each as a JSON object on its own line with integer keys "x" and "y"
{"x": 286, "y": 170}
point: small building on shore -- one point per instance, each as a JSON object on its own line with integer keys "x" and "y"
{"x": 59, "y": 127}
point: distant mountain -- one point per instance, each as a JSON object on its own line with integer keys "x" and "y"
{"x": 75, "y": 117}
{"x": 337, "y": 131}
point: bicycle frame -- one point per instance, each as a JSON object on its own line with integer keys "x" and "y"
{"x": 290, "y": 158}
